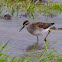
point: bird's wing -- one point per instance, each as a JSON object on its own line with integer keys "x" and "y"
{"x": 43, "y": 25}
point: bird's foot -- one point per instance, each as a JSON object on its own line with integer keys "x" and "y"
{"x": 45, "y": 40}
{"x": 37, "y": 43}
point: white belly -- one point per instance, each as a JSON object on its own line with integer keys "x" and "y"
{"x": 39, "y": 32}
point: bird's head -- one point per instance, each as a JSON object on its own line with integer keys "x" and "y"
{"x": 25, "y": 23}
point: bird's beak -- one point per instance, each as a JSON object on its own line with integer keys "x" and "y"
{"x": 22, "y": 28}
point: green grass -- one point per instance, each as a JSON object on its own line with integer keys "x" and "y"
{"x": 29, "y": 8}
{"x": 43, "y": 56}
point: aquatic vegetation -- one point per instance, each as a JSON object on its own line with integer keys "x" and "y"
{"x": 33, "y": 10}
{"x": 43, "y": 56}
{"x": 30, "y": 8}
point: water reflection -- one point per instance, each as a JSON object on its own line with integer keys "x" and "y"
{"x": 35, "y": 47}
{"x": 21, "y": 41}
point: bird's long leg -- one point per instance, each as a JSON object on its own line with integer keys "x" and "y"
{"x": 37, "y": 39}
{"x": 47, "y": 35}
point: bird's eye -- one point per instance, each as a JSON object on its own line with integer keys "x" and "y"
{"x": 25, "y": 24}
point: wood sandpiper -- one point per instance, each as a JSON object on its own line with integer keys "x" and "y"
{"x": 37, "y": 28}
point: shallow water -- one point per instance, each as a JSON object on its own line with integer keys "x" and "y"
{"x": 20, "y": 41}
{"x": 57, "y": 1}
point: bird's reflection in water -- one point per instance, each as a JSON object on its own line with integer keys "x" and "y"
{"x": 35, "y": 47}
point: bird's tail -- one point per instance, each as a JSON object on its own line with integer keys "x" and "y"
{"x": 52, "y": 23}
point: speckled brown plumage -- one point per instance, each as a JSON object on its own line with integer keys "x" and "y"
{"x": 42, "y": 25}
{"x": 37, "y": 28}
